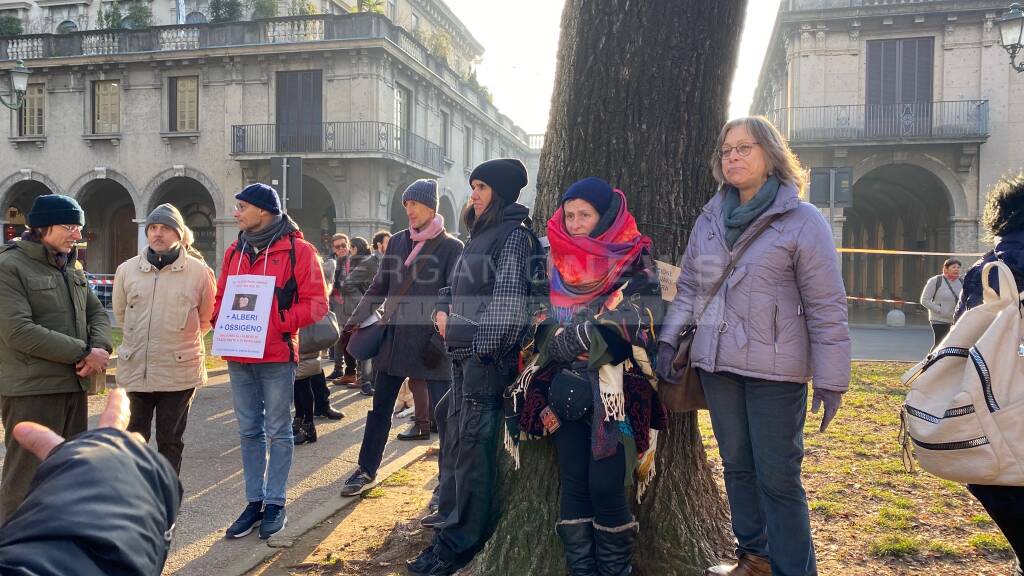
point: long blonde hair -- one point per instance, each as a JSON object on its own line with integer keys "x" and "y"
{"x": 782, "y": 162}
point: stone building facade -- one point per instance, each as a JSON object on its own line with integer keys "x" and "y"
{"x": 918, "y": 99}
{"x": 124, "y": 120}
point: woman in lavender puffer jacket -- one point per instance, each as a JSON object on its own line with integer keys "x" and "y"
{"x": 779, "y": 321}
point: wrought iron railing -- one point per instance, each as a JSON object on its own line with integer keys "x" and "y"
{"x": 908, "y": 121}
{"x": 374, "y": 137}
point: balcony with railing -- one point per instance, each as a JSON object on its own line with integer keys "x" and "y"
{"x": 958, "y": 121}
{"x": 333, "y": 138}
{"x": 318, "y": 28}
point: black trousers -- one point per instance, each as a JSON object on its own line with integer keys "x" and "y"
{"x": 447, "y": 419}
{"x": 343, "y": 361}
{"x": 311, "y": 395}
{"x": 939, "y": 331}
{"x": 590, "y": 488}
{"x": 378, "y": 419}
{"x": 475, "y": 456}
{"x": 1005, "y": 504}
{"x": 171, "y": 410}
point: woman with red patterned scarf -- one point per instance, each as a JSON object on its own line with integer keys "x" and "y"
{"x": 591, "y": 391}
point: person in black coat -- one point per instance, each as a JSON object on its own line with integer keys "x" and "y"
{"x": 101, "y": 503}
{"x": 426, "y": 253}
{"x": 483, "y": 318}
{"x": 1004, "y": 220}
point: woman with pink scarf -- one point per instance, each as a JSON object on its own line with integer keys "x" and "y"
{"x": 410, "y": 349}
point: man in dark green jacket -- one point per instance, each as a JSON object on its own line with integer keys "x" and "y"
{"x": 54, "y": 335}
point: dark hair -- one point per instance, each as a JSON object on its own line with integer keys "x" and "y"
{"x": 490, "y": 217}
{"x": 1004, "y": 209}
{"x": 951, "y": 262}
{"x": 359, "y": 243}
{"x": 379, "y": 237}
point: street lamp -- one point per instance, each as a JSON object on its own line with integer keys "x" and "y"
{"x": 19, "y": 83}
{"x": 1011, "y": 34}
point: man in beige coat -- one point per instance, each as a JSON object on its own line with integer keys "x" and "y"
{"x": 163, "y": 300}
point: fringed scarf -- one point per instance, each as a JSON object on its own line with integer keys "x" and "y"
{"x": 585, "y": 268}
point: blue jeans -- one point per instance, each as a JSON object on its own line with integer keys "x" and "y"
{"x": 262, "y": 395}
{"x": 759, "y": 427}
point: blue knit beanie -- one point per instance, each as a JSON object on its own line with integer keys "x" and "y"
{"x": 261, "y": 196}
{"x": 423, "y": 191}
{"x": 595, "y": 191}
{"x": 51, "y": 209}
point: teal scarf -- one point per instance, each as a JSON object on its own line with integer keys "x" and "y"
{"x": 738, "y": 217}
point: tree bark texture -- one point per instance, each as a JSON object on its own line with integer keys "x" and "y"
{"x": 640, "y": 94}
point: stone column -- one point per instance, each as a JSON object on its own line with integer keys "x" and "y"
{"x": 964, "y": 235}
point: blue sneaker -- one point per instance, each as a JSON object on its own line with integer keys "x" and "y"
{"x": 250, "y": 518}
{"x": 274, "y": 520}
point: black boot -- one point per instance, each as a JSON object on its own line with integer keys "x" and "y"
{"x": 614, "y": 548}
{"x": 296, "y": 425}
{"x": 307, "y": 432}
{"x": 578, "y": 542}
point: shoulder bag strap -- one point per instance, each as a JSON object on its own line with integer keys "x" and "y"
{"x": 390, "y": 303}
{"x": 732, "y": 265}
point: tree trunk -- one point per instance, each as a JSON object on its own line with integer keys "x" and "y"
{"x": 640, "y": 94}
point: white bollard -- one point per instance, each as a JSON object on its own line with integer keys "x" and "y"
{"x": 896, "y": 319}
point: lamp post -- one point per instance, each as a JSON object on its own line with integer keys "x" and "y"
{"x": 1011, "y": 34}
{"x": 19, "y": 83}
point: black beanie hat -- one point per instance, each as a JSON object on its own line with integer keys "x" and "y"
{"x": 506, "y": 176}
{"x": 167, "y": 215}
{"x": 52, "y": 209}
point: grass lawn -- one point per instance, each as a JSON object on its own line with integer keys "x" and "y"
{"x": 869, "y": 515}
{"x": 212, "y": 362}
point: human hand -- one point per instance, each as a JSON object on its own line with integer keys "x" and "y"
{"x": 663, "y": 361}
{"x": 40, "y": 440}
{"x": 97, "y": 359}
{"x": 831, "y": 399}
{"x": 83, "y": 370}
{"x": 441, "y": 320}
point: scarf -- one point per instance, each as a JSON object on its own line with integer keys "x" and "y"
{"x": 585, "y": 268}
{"x": 161, "y": 259}
{"x": 261, "y": 239}
{"x": 432, "y": 230}
{"x": 737, "y": 217}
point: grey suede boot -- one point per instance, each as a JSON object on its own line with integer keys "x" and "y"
{"x": 578, "y": 541}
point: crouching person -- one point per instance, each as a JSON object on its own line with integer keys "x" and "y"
{"x": 164, "y": 298}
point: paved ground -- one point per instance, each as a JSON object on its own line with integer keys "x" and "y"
{"x": 212, "y": 477}
{"x": 872, "y": 342}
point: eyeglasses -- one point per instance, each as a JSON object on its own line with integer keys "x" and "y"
{"x": 71, "y": 227}
{"x": 340, "y": 247}
{"x": 743, "y": 150}
{"x": 240, "y": 207}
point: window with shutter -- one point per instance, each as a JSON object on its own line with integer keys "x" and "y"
{"x": 899, "y": 87}
{"x": 183, "y": 103}
{"x": 106, "y": 104}
{"x": 31, "y": 121}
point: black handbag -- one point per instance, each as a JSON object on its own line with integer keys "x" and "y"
{"x": 570, "y": 395}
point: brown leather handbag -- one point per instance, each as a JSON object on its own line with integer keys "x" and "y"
{"x": 686, "y": 394}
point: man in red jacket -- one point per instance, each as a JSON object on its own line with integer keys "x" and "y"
{"x": 269, "y": 244}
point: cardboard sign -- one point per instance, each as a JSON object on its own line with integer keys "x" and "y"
{"x": 244, "y": 316}
{"x": 667, "y": 275}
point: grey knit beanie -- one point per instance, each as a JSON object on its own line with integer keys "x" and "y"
{"x": 423, "y": 191}
{"x": 169, "y": 216}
